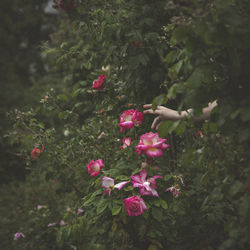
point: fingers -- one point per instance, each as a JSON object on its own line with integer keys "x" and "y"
{"x": 147, "y": 106}
{"x": 159, "y": 124}
{"x": 155, "y": 122}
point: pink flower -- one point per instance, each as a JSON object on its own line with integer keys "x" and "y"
{"x": 134, "y": 205}
{"x": 62, "y": 223}
{"x": 36, "y": 152}
{"x": 40, "y": 207}
{"x": 18, "y": 235}
{"x": 151, "y": 144}
{"x": 146, "y": 187}
{"x": 94, "y": 167}
{"x": 108, "y": 183}
{"x": 99, "y": 83}
{"x": 79, "y": 211}
{"x": 174, "y": 190}
{"x": 130, "y": 118}
{"x": 51, "y": 224}
{"x": 126, "y": 142}
{"x": 201, "y": 134}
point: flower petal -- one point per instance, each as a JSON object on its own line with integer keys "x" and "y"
{"x": 143, "y": 175}
{"x": 120, "y": 185}
{"x": 154, "y": 152}
{"x": 107, "y": 182}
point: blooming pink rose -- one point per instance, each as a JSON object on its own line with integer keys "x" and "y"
{"x": 151, "y": 144}
{"x": 99, "y": 83}
{"x": 109, "y": 184}
{"x": 146, "y": 187}
{"x": 36, "y": 152}
{"x": 18, "y": 235}
{"x": 126, "y": 142}
{"x": 174, "y": 190}
{"x": 79, "y": 211}
{"x": 94, "y": 167}
{"x": 134, "y": 205}
{"x": 130, "y": 118}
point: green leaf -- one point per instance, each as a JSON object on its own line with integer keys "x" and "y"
{"x": 102, "y": 205}
{"x": 78, "y": 104}
{"x": 181, "y": 128}
{"x": 157, "y": 213}
{"x": 116, "y": 209}
{"x": 164, "y": 204}
{"x": 164, "y": 128}
{"x": 159, "y": 100}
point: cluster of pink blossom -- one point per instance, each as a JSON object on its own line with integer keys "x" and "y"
{"x": 150, "y": 144}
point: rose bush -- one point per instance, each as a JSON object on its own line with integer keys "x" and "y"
{"x": 209, "y": 186}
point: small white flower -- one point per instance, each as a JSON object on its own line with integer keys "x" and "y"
{"x": 66, "y": 132}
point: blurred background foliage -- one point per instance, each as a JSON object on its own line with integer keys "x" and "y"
{"x": 178, "y": 53}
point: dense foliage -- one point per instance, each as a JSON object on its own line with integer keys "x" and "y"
{"x": 107, "y": 57}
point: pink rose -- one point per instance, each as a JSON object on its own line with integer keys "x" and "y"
{"x": 62, "y": 223}
{"x": 18, "y": 235}
{"x": 151, "y": 144}
{"x": 99, "y": 83}
{"x": 146, "y": 186}
{"x": 79, "y": 211}
{"x": 36, "y": 152}
{"x": 134, "y": 205}
{"x": 94, "y": 167}
{"x": 126, "y": 142}
{"x": 130, "y": 118}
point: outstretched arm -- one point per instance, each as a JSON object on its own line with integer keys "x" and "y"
{"x": 166, "y": 114}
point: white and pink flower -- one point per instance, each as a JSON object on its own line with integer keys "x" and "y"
{"x": 130, "y": 118}
{"x": 126, "y": 142}
{"x": 62, "y": 223}
{"x": 134, "y": 205}
{"x": 40, "y": 207}
{"x": 18, "y": 235}
{"x": 99, "y": 83}
{"x": 109, "y": 184}
{"x": 151, "y": 144}
{"x": 146, "y": 186}
{"x": 174, "y": 190}
{"x": 79, "y": 211}
{"x": 94, "y": 167}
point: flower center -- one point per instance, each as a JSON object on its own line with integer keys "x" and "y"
{"x": 152, "y": 149}
{"x": 128, "y": 118}
{"x": 147, "y": 142}
{"x": 95, "y": 167}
